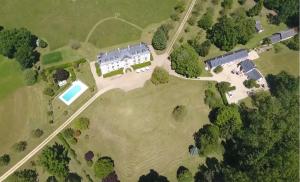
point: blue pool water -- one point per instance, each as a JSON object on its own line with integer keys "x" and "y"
{"x": 71, "y": 93}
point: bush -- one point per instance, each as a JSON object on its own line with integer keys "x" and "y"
{"x": 20, "y": 146}
{"x": 218, "y": 69}
{"x": 293, "y": 43}
{"x": 256, "y": 9}
{"x": 180, "y": 6}
{"x": 241, "y": 2}
{"x": 68, "y": 133}
{"x": 103, "y": 167}
{"x": 90, "y": 163}
{"x": 175, "y": 16}
{"x": 192, "y": 20}
{"x": 30, "y": 76}
{"x": 89, "y": 156}
{"x": 49, "y": 91}
{"x": 37, "y": 133}
{"x": 179, "y": 112}
{"x": 211, "y": 99}
{"x": 250, "y": 83}
{"x": 75, "y": 44}
{"x": 82, "y": 123}
{"x": 98, "y": 70}
{"x": 206, "y": 20}
{"x": 4, "y": 160}
{"x": 42, "y": 43}
{"x": 227, "y": 4}
{"x": 184, "y": 175}
{"x": 159, "y": 76}
{"x": 184, "y": 60}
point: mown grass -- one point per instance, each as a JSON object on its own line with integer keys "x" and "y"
{"x": 271, "y": 62}
{"x": 61, "y": 21}
{"x": 52, "y": 57}
{"x": 11, "y": 77}
{"x": 113, "y": 32}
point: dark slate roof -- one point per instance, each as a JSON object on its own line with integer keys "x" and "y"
{"x": 119, "y": 54}
{"x": 227, "y": 58}
{"x": 247, "y": 65}
{"x": 287, "y": 33}
{"x": 275, "y": 38}
{"x": 258, "y": 25}
{"x": 254, "y": 74}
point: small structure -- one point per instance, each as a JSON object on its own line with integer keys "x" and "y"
{"x": 123, "y": 58}
{"x": 254, "y": 74}
{"x": 258, "y": 26}
{"x": 62, "y": 83}
{"x": 283, "y": 35}
{"x": 236, "y": 57}
{"x": 194, "y": 150}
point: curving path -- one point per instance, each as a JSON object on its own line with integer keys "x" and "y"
{"x": 110, "y": 18}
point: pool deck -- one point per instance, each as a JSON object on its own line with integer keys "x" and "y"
{"x": 75, "y": 83}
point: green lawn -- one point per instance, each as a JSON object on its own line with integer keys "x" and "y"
{"x": 63, "y": 20}
{"x": 272, "y": 63}
{"x": 11, "y": 77}
{"x": 138, "y": 131}
{"x": 52, "y": 57}
{"x": 113, "y": 32}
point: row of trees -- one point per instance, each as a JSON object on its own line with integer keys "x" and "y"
{"x": 260, "y": 142}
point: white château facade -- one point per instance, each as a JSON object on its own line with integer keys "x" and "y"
{"x": 123, "y": 58}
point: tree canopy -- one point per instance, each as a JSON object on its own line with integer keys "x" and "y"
{"x": 4, "y": 160}
{"x": 25, "y": 175}
{"x": 184, "y": 60}
{"x": 55, "y": 160}
{"x": 184, "y": 175}
{"x": 103, "y": 167}
{"x": 159, "y": 76}
{"x": 256, "y": 9}
{"x": 207, "y": 138}
{"x": 160, "y": 37}
{"x": 153, "y": 176}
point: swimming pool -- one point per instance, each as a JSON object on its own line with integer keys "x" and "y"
{"x": 72, "y": 93}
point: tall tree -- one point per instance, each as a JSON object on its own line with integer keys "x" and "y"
{"x": 207, "y": 138}
{"x": 103, "y": 167}
{"x": 55, "y": 160}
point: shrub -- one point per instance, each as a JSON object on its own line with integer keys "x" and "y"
{"x": 37, "y": 133}
{"x": 98, "y": 70}
{"x": 89, "y": 155}
{"x": 175, "y": 16}
{"x": 159, "y": 76}
{"x": 267, "y": 41}
{"x": 206, "y": 20}
{"x": 215, "y": 2}
{"x": 227, "y": 4}
{"x": 20, "y": 146}
{"x": 218, "y": 69}
{"x": 68, "y": 133}
{"x": 179, "y": 112}
{"x": 103, "y": 167}
{"x": 49, "y": 91}
{"x": 293, "y": 43}
{"x": 75, "y": 45}
{"x": 4, "y": 160}
{"x": 211, "y": 99}
{"x": 82, "y": 123}
{"x": 192, "y": 20}
{"x": 241, "y": 2}
{"x": 30, "y": 76}
{"x": 90, "y": 163}
{"x": 42, "y": 43}
{"x": 184, "y": 175}
{"x": 180, "y": 6}
{"x": 250, "y": 83}
{"x": 256, "y": 9}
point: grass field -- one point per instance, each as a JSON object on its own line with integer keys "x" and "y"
{"x": 52, "y": 57}
{"x": 63, "y": 20}
{"x": 113, "y": 32}
{"x": 11, "y": 77}
{"x": 272, "y": 63}
{"x": 138, "y": 131}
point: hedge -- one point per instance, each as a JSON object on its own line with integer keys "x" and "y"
{"x": 98, "y": 70}
{"x": 113, "y": 73}
{"x": 141, "y": 65}
{"x": 65, "y": 65}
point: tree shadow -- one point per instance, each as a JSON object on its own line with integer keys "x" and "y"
{"x": 153, "y": 176}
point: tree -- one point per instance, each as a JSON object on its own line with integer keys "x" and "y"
{"x": 49, "y": 91}
{"x": 103, "y": 167}
{"x": 192, "y": 20}
{"x": 42, "y": 43}
{"x": 37, "y": 133}
{"x": 51, "y": 179}
{"x": 61, "y": 75}
{"x": 153, "y": 176}
{"x": 73, "y": 177}
{"x": 89, "y": 155}
{"x": 4, "y": 160}
{"x": 112, "y": 177}
{"x": 201, "y": 48}
{"x": 223, "y": 34}
{"x": 180, "y": 6}
{"x": 55, "y": 160}
{"x": 30, "y": 76}
{"x": 20, "y": 146}
{"x": 218, "y": 69}
{"x": 227, "y": 4}
{"x": 241, "y": 2}
{"x": 179, "y": 112}
{"x": 267, "y": 41}
{"x": 184, "y": 60}
{"x": 250, "y": 83}
{"x": 210, "y": 171}
{"x": 184, "y": 174}
{"x": 245, "y": 28}
{"x": 159, "y": 76}
{"x": 207, "y": 138}
{"x": 25, "y": 175}
{"x": 211, "y": 99}
{"x": 206, "y": 20}
{"x": 228, "y": 120}
{"x": 26, "y": 56}
{"x": 256, "y": 9}
{"x": 82, "y": 123}
{"x": 293, "y": 43}
{"x": 160, "y": 38}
